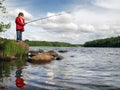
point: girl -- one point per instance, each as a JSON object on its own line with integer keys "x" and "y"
{"x": 20, "y": 22}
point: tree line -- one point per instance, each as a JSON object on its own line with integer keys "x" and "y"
{"x": 47, "y": 43}
{"x": 107, "y": 42}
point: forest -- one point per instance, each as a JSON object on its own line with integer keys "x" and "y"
{"x": 47, "y": 43}
{"x": 107, "y": 42}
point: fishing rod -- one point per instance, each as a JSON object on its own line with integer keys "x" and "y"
{"x": 46, "y": 17}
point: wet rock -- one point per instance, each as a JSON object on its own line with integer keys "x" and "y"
{"x": 59, "y": 57}
{"x": 45, "y": 57}
{"x": 52, "y": 53}
{"x": 41, "y": 58}
{"x": 62, "y": 51}
{"x": 41, "y": 51}
{"x": 33, "y": 53}
{"x": 72, "y": 56}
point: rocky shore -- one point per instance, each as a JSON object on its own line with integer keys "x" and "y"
{"x": 33, "y": 56}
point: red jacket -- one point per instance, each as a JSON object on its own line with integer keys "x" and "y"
{"x": 20, "y": 22}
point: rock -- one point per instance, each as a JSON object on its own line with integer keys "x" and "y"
{"x": 62, "y": 51}
{"x": 52, "y": 52}
{"x": 41, "y": 58}
{"x": 45, "y": 57}
{"x": 23, "y": 45}
{"x": 59, "y": 57}
{"x": 41, "y": 51}
{"x": 72, "y": 56}
{"x": 33, "y": 53}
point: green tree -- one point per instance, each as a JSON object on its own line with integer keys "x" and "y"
{"x": 3, "y": 26}
{"x": 107, "y": 42}
{"x": 2, "y": 7}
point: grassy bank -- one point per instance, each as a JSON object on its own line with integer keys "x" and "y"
{"x": 12, "y": 48}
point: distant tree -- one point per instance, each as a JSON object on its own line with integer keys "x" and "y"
{"x": 47, "y": 43}
{"x": 3, "y": 26}
{"x": 2, "y": 7}
{"x": 107, "y": 42}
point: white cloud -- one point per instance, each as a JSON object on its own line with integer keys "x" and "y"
{"x": 86, "y": 28}
{"x": 110, "y": 4}
{"x": 15, "y": 12}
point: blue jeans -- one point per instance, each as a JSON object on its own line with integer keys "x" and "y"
{"x": 19, "y": 35}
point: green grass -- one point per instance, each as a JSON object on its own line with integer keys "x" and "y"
{"x": 11, "y": 48}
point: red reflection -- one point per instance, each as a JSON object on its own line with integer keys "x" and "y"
{"x": 20, "y": 82}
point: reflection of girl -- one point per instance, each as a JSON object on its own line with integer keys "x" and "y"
{"x": 20, "y": 82}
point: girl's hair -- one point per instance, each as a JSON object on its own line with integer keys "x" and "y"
{"x": 20, "y": 14}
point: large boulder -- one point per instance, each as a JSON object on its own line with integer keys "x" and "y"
{"x": 41, "y": 58}
{"x": 45, "y": 57}
{"x": 23, "y": 45}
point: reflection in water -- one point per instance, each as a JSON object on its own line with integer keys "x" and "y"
{"x": 2, "y": 84}
{"x": 20, "y": 82}
{"x": 7, "y": 73}
{"x": 50, "y": 78}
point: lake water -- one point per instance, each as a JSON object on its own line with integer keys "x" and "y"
{"x": 81, "y": 69}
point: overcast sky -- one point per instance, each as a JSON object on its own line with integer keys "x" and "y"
{"x": 88, "y": 20}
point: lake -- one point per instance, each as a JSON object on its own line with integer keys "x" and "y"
{"x": 80, "y": 69}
